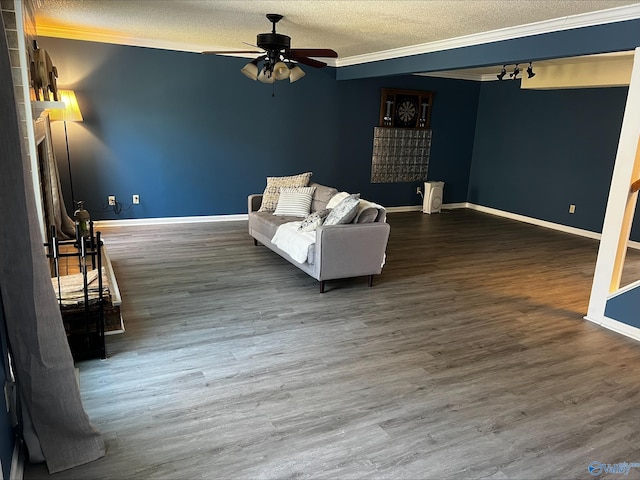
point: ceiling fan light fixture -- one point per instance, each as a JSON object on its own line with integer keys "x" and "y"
{"x": 295, "y": 74}
{"x": 280, "y": 71}
{"x": 250, "y": 70}
{"x": 278, "y": 60}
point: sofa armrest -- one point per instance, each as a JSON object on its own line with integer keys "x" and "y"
{"x": 351, "y": 250}
{"x": 254, "y": 201}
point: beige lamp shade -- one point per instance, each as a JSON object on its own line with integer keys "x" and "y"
{"x": 266, "y": 76}
{"x": 251, "y": 70}
{"x": 281, "y": 71}
{"x": 296, "y": 74}
{"x": 70, "y": 112}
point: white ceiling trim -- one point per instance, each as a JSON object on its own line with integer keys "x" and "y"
{"x": 611, "y": 15}
{"x": 462, "y": 75}
{"x": 617, "y": 14}
{"x": 92, "y": 36}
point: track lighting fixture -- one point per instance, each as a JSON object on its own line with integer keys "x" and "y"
{"x": 530, "y": 72}
{"x": 516, "y": 71}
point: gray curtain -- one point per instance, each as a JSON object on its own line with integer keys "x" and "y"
{"x": 44, "y": 367}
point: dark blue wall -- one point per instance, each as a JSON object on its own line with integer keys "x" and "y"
{"x": 538, "y": 151}
{"x": 192, "y": 136}
{"x": 624, "y": 307}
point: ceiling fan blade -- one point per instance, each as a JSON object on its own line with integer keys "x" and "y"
{"x": 210, "y": 52}
{"x": 308, "y": 61}
{"x": 314, "y": 52}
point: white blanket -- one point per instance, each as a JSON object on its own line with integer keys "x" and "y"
{"x": 296, "y": 244}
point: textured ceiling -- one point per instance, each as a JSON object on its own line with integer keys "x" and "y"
{"x": 352, "y": 28}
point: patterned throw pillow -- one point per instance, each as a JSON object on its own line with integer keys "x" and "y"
{"x": 272, "y": 191}
{"x": 294, "y": 202}
{"x": 313, "y": 221}
{"x": 336, "y": 199}
{"x": 345, "y": 211}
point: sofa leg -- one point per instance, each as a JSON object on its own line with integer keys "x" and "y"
{"x": 370, "y": 280}
{"x": 321, "y": 286}
{"x": 255, "y": 242}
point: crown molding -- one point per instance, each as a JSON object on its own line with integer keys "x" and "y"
{"x": 611, "y": 15}
{"x": 461, "y": 75}
{"x": 56, "y": 31}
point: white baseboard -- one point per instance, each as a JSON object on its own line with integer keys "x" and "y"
{"x": 418, "y": 208}
{"x": 545, "y": 224}
{"x": 535, "y": 221}
{"x": 616, "y": 326}
{"x": 407, "y": 208}
{"x": 453, "y": 206}
{"x": 170, "y": 220}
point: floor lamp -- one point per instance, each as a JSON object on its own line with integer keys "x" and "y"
{"x": 70, "y": 113}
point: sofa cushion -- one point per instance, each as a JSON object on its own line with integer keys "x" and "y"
{"x": 272, "y": 190}
{"x": 313, "y": 220}
{"x": 266, "y": 223}
{"x": 345, "y": 211}
{"x": 294, "y": 202}
{"x": 368, "y": 215}
{"x": 367, "y": 212}
{"x": 321, "y": 196}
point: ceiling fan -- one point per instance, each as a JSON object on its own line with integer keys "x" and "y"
{"x": 279, "y": 60}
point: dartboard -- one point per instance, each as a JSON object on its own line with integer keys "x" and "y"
{"x": 406, "y": 111}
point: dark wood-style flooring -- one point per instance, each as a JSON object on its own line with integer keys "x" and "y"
{"x": 469, "y": 358}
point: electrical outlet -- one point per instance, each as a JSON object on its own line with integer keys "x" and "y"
{"x": 112, "y": 200}
{"x": 418, "y": 191}
{"x": 572, "y": 208}
{"x": 136, "y": 199}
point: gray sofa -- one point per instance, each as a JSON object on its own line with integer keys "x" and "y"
{"x": 340, "y": 251}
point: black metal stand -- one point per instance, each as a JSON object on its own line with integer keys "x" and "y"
{"x": 84, "y": 326}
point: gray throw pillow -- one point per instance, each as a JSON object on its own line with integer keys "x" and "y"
{"x": 368, "y": 215}
{"x": 345, "y": 211}
{"x": 367, "y": 212}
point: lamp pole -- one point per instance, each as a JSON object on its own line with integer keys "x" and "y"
{"x": 70, "y": 113}
{"x": 66, "y": 138}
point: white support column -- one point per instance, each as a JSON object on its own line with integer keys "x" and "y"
{"x": 620, "y": 205}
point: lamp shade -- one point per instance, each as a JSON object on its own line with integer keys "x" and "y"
{"x": 266, "y": 76}
{"x": 280, "y": 71}
{"x": 251, "y": 70}
{"x": 296, "y": 73}
{"x": 70, "y": 112}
